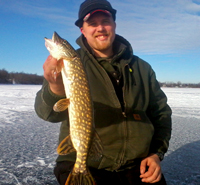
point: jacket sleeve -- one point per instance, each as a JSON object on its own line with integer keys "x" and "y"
{"x": 44, "y": 101}
{"x": 159, "y": 113}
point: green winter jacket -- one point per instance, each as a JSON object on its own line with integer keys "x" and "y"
{"x": 141, "y": 128}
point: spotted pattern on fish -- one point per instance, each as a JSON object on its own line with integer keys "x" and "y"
{"x": 80, "y": 108}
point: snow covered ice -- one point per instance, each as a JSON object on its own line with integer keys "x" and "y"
{"x": 28, "y": 144}
{"x": 181, "y": 165}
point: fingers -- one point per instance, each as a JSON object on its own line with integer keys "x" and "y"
{"x": 152, "y": 175}
{"x": 157, "y": 179}
{"x": 50, "y": 69}
{"x": 143, "y": 166}
{"x": 53, "y": 76}
{"x": 150, "y": 169}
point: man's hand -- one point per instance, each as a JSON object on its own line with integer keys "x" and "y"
{"x": 153, "y": 173}
{"x": 51, "y": 75}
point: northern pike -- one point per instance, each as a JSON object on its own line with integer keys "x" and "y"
{"x": 80, "y": 110}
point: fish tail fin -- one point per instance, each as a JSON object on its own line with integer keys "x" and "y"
{"x": 80, "y": 178}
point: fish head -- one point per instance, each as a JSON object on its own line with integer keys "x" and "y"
{"x": 59, "y": 48}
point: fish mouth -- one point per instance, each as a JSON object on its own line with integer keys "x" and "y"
{"x": 56, "y": 38}
{"x": 59, "y": 46}
{"x": 52, "y": 45}
{"x": 49, "y": 43}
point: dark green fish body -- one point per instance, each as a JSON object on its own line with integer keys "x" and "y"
{"x": 80, "y": 108}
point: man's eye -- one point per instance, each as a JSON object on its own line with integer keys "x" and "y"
{"x": 92, "y": 24}
{"x": 106, "y": 22}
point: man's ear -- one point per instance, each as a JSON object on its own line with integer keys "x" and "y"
{"x": 82, "y": 31}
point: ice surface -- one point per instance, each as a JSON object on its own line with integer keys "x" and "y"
{"x": 184, "y": 101}
{"x": 28, "y": 144}
{"x": 181, "y": 165}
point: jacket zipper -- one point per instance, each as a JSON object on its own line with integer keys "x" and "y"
{"x": 121, "y": 157}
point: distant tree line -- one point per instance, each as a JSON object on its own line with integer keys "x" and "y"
{"x": 19, "y": 78}
{"x": 24, "y": 78}
{"x": 180, "y": 85}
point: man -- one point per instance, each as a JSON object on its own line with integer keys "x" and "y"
{"x": 131, "y": 114}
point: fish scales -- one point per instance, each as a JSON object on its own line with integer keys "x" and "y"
{"x": 76, "y": 79}
{"x": 80, "y": 107}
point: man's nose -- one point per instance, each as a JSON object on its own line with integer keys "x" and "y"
{"x": 100, "y": 27}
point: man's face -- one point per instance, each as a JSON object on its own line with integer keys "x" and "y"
{"x": 99, "y": 30}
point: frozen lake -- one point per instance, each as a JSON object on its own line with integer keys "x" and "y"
{"x": 28, "y": 144}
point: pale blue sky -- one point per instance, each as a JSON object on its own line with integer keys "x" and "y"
{"x": 164, "y": 33}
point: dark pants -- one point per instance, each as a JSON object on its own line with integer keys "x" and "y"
{"x": 103, "y": 177}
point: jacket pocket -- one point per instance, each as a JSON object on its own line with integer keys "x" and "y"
{"x": 140, "y": 132}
